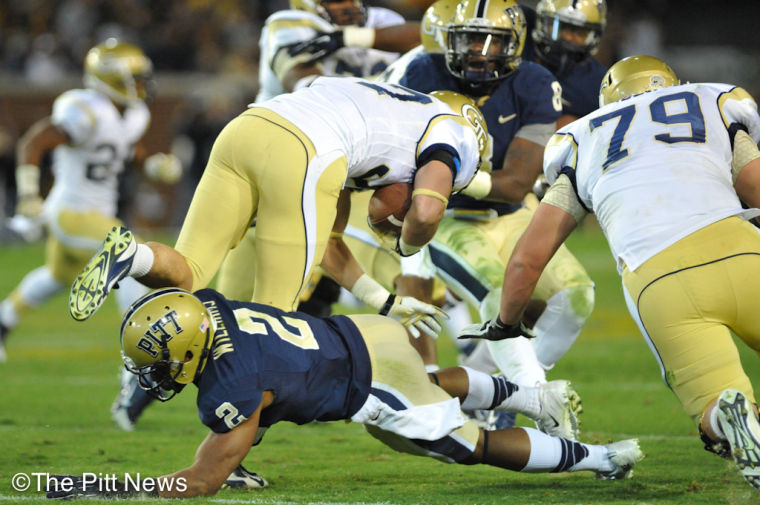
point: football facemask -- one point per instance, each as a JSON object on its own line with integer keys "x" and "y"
{"x": 485, "y": 40}
{"x": 568, "y": 31}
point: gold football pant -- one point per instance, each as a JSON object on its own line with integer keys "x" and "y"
{"x": 262, "y": 166}
{"x": 400, "y": 382}
{"x": 686, "y": 301}
{"x": 471, "y": 257}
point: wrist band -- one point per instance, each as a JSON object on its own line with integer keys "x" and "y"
{"x": 430, "y": 192}
{"x": 359, "y": 36}
{"x": 388, "y": 304}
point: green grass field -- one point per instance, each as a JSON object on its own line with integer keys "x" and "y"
{"x": 61, "y": 376}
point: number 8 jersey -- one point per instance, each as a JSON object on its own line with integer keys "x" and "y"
{"x": 101, "y": 139}
{"x": 657, "y": 166}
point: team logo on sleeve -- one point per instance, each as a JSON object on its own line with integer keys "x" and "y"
{"x": 156, "y": 334}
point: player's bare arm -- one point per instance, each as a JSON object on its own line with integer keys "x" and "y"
{"x": 41, "y": 137}
{"x": 522, "y": 164}
{"x": 397, "y": 38}
{"x": 298, "y": 72}
{"x": 217, "y": 456}
{"x": 426, "y": 211}
{"x": 338, "y": 261}
{"x": 547, "y": 230}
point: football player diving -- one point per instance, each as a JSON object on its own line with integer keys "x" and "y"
{"x": 686, "y": 252}
{"x": 358, "y": 367}
{"x": 521, "y": 101}
{"x": 93, "y": 134}
{"x": 298, "y": 45}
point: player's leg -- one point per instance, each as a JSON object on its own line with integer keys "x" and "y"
{"x": 684, "y": 300}
{"x": 238, "y": 273}
{"x": 297, "y": 210}
{"x": 411, "y": 414}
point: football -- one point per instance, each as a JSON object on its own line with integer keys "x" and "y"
{"x": 388, "y": 206}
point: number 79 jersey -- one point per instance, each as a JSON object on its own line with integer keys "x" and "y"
{"x": 385, "y": 131}
{"x": 657, "y": 166}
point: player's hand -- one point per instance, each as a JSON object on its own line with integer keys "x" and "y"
{"x": 29, "y": 206}
{"x": 417, "y": 316}
{"x": 496, "y": 330}
{"x": 321, "y": 46}
{"x": 163, "y": 167}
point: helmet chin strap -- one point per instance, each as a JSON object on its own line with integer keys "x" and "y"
{"x": 204, "y": 355}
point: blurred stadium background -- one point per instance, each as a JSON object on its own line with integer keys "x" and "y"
{"x": 205, "y": 54}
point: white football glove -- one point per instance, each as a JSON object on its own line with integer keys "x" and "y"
{"x": 163, "y": 167}
{"x": 415, "y": 315}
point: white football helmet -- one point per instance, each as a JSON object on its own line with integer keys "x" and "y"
{"x": 119, "y": 70}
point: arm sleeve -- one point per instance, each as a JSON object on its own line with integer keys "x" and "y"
{"x": 562, "y": 195}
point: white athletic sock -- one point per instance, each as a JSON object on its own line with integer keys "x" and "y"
{"x": 142, "y": 262}
{"x": 517, "y": 360}
{"x": 129, "y": 291}
{"x": 561, "y": 322}
{"x": 8, "y": 315}
{"x": 552, "y": 454}
{"x": 38, "y": 286}
{"x": 481, "y": 390}
{"x": 715, "y": 425}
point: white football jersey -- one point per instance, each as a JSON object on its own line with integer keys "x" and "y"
{"x": 86, "y": 171}
{"x": 655, "y": 167}
{"x": 381, "y": 129}
{"x": 288, "y": 27}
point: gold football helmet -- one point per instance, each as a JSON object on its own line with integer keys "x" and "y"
{"x": 633, "y": 75}
{"x": 166, "y": 338}
{"x": 466, "y": 107}
{"x": 119, "y": 70}
{"x": 485, "y": 40}
{"x": 568, "y": 30}
{"x": 433, "y": 25}
{"x": 337, "y": 12}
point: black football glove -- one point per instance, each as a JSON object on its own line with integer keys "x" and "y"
{"x": 321, "y": 46}
{"x": 67, "y": 487}
{"x": 496, "y": 330}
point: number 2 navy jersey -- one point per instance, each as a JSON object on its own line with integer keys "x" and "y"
{"x": 529, "y": 95}
{"x": 580, "y": 81}
{"x": 317, "y": 369}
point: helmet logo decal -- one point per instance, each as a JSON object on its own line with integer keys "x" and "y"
{"x": 657, "y": 81}
{"x": 156, "y": 336}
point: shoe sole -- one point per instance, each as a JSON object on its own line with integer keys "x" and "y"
{"x": 745, "y": 448}
{"x": 89, "y": 289}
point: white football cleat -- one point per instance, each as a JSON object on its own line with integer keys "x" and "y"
{"x": 623, "y": 455}
{"x": 738, "y": 422}
{"x": 560, "y": 406}
{"x": 240, "y": 478}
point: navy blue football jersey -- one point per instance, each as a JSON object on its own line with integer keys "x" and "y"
{"x": 526, "y": 96}
{"x": 317, "y": 369}
{"x": 580, "y": 81}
